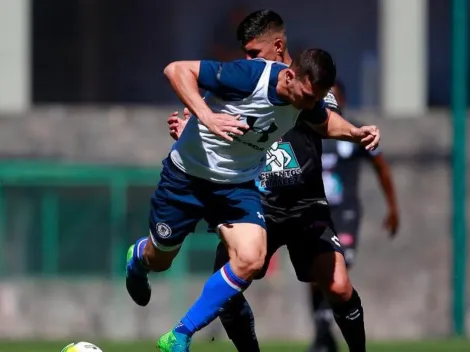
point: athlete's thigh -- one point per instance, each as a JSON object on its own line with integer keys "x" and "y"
{"x": 308, "y": 244}
{"x": 237, "y": 213}
{"x": 174, "y": 208}
{"x": 331, "y": 275}
{"x": 275, "y": 238}
{"x": 245, "y": 242}
{"x": 346, "y": 221}
{"x": 274, "y": 242}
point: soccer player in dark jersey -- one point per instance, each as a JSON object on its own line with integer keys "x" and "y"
{"x": 341, "y": 163}
{"x": 296, "y": 210}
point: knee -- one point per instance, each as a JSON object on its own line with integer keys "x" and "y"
{"x": 340, "y": 289}
{"x": 248, "y": 263}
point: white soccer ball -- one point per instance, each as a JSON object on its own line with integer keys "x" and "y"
{"x": 81, "y": 347}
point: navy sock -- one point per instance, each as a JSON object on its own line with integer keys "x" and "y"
{"x": 136, "y": 264}
{"x": 220, "y": 287}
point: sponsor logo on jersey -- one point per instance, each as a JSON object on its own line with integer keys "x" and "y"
{"x": 282, "y": 167}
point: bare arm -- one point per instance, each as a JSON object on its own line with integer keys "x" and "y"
{"x": 384, "y": 175}
{"x": 183, "y": 77}
{"x": 186, "y": 77}
{"x": 336, "y": 127}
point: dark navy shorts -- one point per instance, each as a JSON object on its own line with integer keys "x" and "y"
{"x": 181, "y": 201}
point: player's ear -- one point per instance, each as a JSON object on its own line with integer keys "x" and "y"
{"x": 280, "y": 46}
{"x": 290, "y": 75}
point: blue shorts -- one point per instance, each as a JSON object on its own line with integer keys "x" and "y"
{"x": 181, "y": 201}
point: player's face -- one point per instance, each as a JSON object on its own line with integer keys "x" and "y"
{"x": 303, "y": 95}
{"x": 265, "y": 48}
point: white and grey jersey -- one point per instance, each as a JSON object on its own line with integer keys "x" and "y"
{"x": 246, "y": 88}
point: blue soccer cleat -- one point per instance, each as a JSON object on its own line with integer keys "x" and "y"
{"x": 174, "y": 342}
{"x": 137, "y": 284}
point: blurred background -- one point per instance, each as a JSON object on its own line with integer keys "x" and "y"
{"x": 83, "y": 109}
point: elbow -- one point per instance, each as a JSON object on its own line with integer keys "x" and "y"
{"x": 170, "y": 70}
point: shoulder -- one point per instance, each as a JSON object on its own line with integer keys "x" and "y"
{"x": 317, "y": 115}
{"x": 232, "y": 80}
{"x": 274, "y": 98}
{"x": 238, "y": 70}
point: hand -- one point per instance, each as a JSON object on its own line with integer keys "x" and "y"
{"x": 367, "y": 136}
{"x": 177, "y": 125}
{"x": 391, "y": 222}
{"x": 224, "y": 125}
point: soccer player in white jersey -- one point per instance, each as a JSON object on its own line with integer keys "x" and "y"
{"x": 294, "y": 206}
{"x": 211, "y": 170}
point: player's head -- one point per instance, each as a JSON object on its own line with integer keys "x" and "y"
{"x": 339, "y": 91}
{"x": 309, "y": 78}
{"x": 262, "y": 35}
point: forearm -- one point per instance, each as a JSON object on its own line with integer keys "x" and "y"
{"x": 336, "y": 127}
{"x": 183, "y": 79}
{"x": 385, "y": 178}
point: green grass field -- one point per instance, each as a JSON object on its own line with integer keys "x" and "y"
{"x": 436, "y": 346}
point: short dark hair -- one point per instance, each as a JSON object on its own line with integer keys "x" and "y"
{"x": 317, "y": 65}
{"x": 257, "y": 24}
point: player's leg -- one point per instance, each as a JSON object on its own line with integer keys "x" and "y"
{"x": 303, "y": 248}
{"x": 237, "y": 316}
{"x": 347, "y": 224}
{"x": 317, "y": 257}
{"x": 321, "y": 310}
{"x": 242, "y": 228}
{"x": 331, "y": 274}
{"x": 323, "y": 317}
{"x": 172, "y": 216}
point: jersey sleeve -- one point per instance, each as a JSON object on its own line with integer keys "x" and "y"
{"x": 331, "y": 103}
{"x": 230, "y": 80}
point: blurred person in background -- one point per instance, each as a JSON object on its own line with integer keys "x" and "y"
{"x": 296, "y": 210}
{"x": 341, "y": 168}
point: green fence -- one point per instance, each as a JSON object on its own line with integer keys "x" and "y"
{"x": 61, "y": 219}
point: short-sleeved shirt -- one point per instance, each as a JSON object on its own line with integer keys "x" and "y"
{"x": 246, "y": 88}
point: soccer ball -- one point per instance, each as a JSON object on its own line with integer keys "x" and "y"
{"x": 81, "y": 347}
